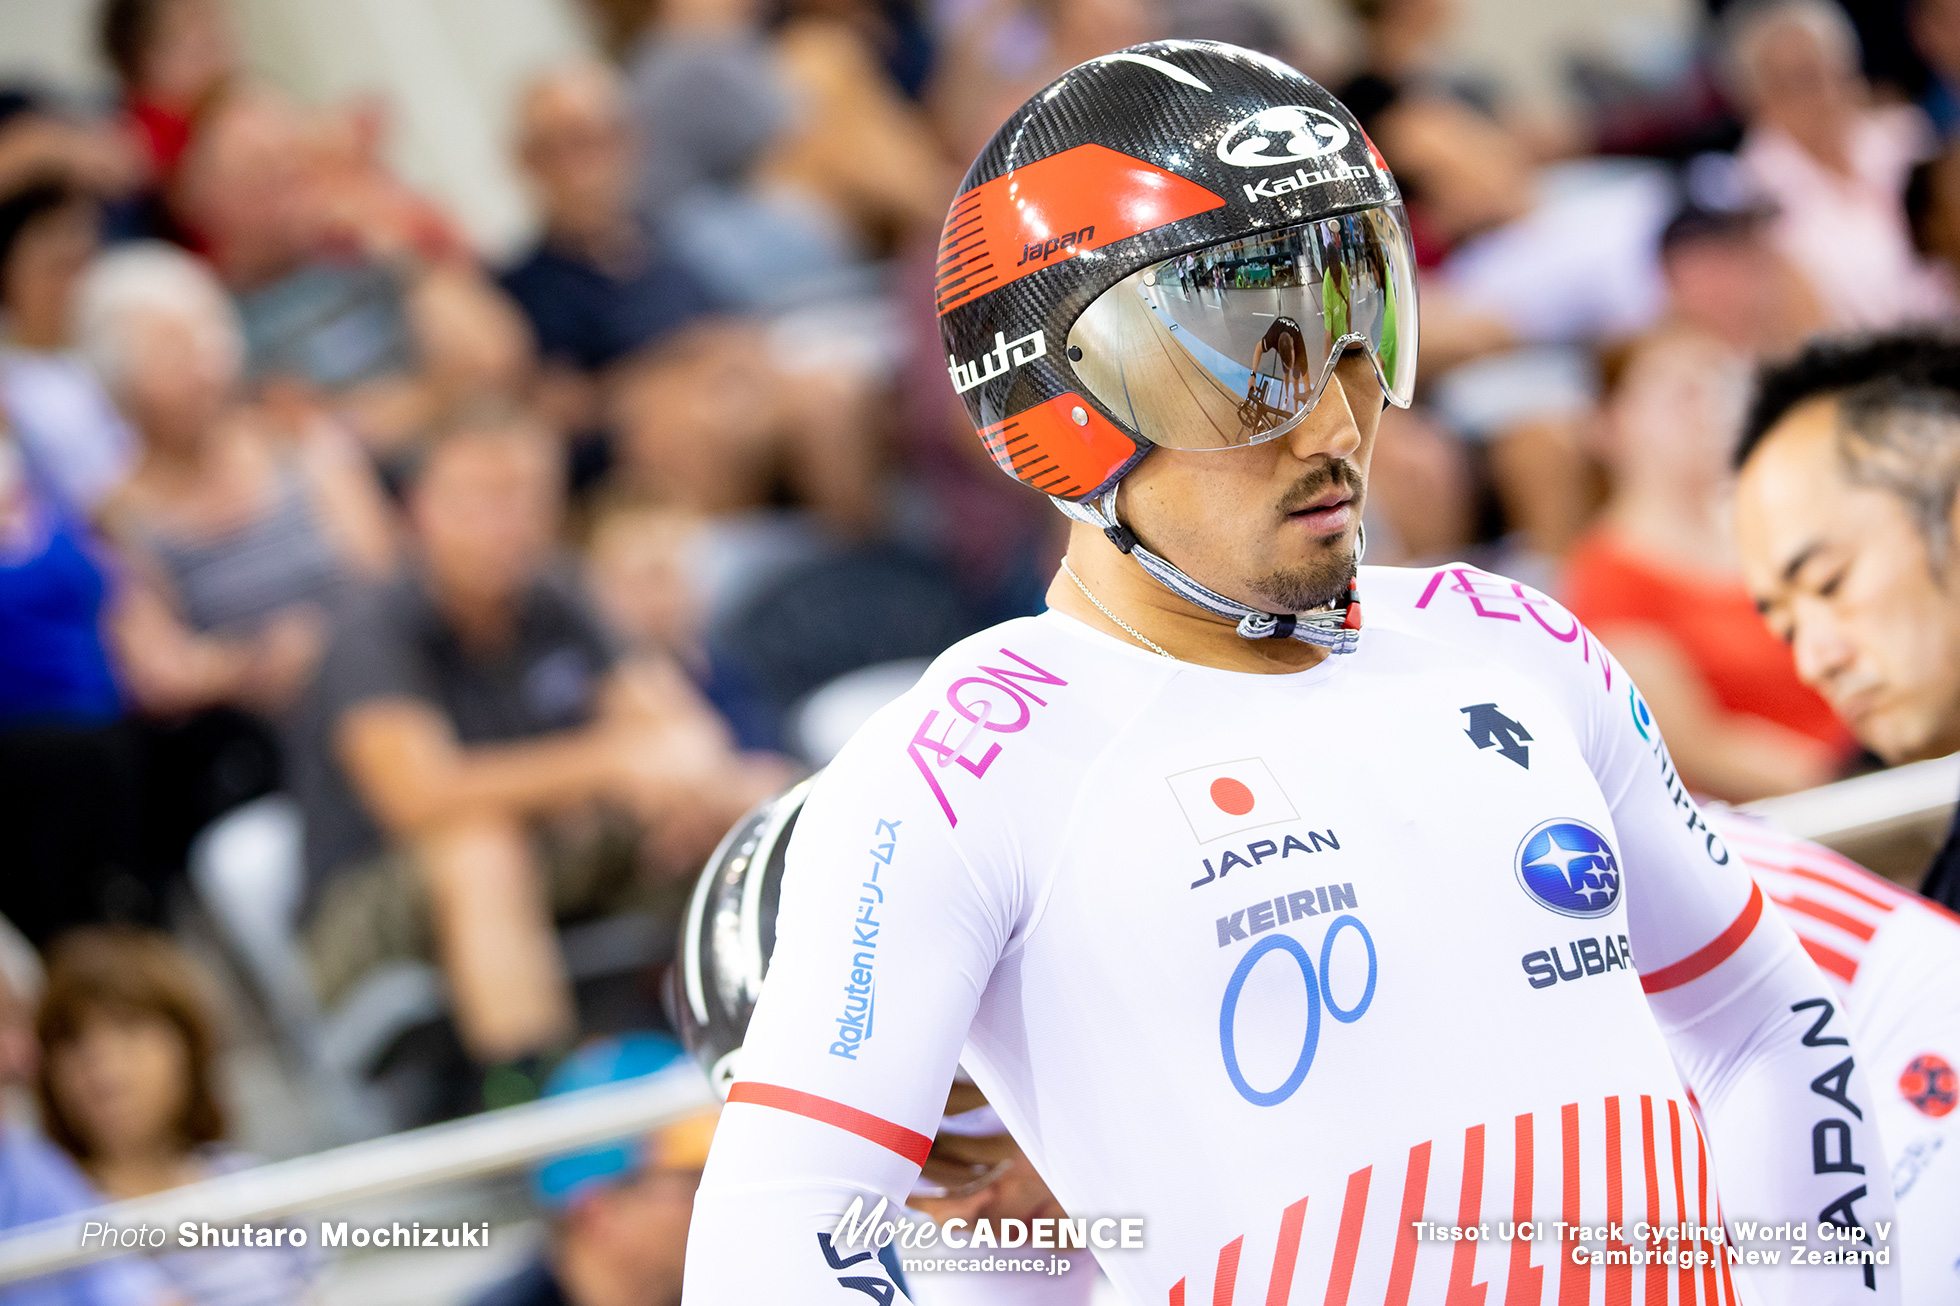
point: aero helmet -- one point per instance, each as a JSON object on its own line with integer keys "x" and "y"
{"x": 1170, "y": 245}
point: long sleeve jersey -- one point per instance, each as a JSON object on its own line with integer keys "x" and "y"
{"x": 1298, "y": 970}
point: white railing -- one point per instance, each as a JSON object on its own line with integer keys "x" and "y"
{"x": 1903, "y": 799}
{"x": 417, "y": 1158}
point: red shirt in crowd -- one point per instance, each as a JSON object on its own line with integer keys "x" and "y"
{"x": 1712, "y": 621}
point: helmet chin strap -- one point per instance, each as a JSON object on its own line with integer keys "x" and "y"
{"x": 1336, "y": 628}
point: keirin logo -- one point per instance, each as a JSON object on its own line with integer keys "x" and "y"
{"x": 1285, "y": 133}
{"x": 1004, "y": 357}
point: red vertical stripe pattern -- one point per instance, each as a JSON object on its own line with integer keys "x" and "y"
{"x": 1687, "y": 1272}
{"x": 1347, "y": 1242}
{"x": 1653, "y": 1274}
{"x": 1524, "y": 1283}
{"x": 1287, "y": 1254}
{"x": 1469, "y": 1211}
{"x": 1415, "y": 1187}
{"x": 1574, "y": 1281}
{"x": 1228, "y": 1272}
{"x": 1619, "y": 1278}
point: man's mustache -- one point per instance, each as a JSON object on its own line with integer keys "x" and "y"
{"x": 1336, "y": 472}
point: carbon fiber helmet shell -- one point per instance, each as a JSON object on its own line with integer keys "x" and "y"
{"x": 728, "y": 935}
{"x": 1121, "y": 162}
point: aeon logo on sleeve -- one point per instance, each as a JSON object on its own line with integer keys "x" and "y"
{"x": 1228, "y": 797}
{"x": 1569, "y": 867}
{"x": 1284, "y": 133}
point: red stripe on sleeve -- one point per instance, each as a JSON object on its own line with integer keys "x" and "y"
{"x": 1718, "y": 950}
{"x": 1288, "y": 1252}
{"x": 1524, "y": 1283}
{"x": 1830, "y": 959}
{"x": 908, "y": 1143}
{"x": 1177, "y": 1293}
{"x": 1415, "y": 1190}
{"x": 1857, "y": 929}
{"x": 1838, "y": 882}
{"x": 1469, "y": 1213}
{"x": 1347, "y": 1242}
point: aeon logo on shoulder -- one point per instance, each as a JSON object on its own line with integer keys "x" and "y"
{"x": 1569, "y": 867}
{"x": 1284, "y": 133}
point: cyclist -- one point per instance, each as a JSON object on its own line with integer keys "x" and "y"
{"x": 1237, "y": 908}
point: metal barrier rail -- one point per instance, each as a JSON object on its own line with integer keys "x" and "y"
{"x": 417, "y": 1158}
{"x": 1910, "y": 797}
{"x": 1914, "y": 797}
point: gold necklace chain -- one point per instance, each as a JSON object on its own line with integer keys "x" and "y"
{"x": 1132, "y": 631}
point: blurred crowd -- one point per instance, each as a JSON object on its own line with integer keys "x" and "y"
{"x": 524, "y": 579}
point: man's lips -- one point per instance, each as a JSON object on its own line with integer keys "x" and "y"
{"x": 1326, "y": 514}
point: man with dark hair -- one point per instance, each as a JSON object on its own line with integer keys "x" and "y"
{"x": 1848, "y": 466}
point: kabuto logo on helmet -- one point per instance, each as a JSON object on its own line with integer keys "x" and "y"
{"x": 1285, "y": 133}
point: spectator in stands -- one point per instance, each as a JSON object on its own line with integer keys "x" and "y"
{"x": 1657, "y": 580}
{"x": 619, "y": 1211}
{"x": 1835, "y": 165}
{"x": 40, "y": 143}
{"x": 64, "y": 422}
{"x": 38, "y": 1182}
{"x": 352, "y": 292}
{"x": 475, "y": 751}
{"x": 128, "y": 1087}
{"x": 704, "y": 412}
{"x": 597, "y": 286}
{"x": 173, "y": 59}
{"x": 240, "y": 541}
{"x": 1847, "y": 518}
{"x": 1727, "y": 280}
{"x": 1935, "y": 29}
{"x": 70, "y": 776}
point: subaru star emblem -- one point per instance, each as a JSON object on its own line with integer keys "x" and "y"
{"x": 1569, "y": 867}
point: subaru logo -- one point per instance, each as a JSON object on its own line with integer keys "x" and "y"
{"x": 1569, "y": 867}
{"x": 1285, "y": 133}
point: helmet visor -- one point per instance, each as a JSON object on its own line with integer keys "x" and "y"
{"x": 1233, "y": 344}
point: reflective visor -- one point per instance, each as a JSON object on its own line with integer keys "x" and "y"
{"x": 1234, "y": 344}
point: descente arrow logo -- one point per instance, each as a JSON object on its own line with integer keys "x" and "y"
{"x": 1489, "y": 726}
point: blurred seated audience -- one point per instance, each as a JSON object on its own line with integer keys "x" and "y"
{"x": 352, "y": 291}
{"x": 40, "y": 141}
{"x": 239, "y": 538}
{"x": 703, "y": 410}
{"x": 1847, "y": 517}
{"x": 70, "y": 775}
{"x": 39, "y": 1182}
{"x": 1725, "y": 276}
{"x": 477, "y": 760}
{"x": 618, "y": 1211}
{"x": 64, "y": 422}
{"x": 128, "y": 1087}
{"x": 793, "y": 146}
{"x": 1834, "y": 164}
{"x": 1657, "y": 580}
{"x": 598, "y": 286}
{"x": 1934, "y": 26}
{"x": 172, "y": 60}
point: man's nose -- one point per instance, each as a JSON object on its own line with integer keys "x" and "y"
{"x": 1330, "y": 429}
{"x": 1823, "y": 652}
